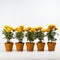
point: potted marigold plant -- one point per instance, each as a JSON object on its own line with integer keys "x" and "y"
{"x": 19, "y": 35}
{"x": 8, "y": 33}
{"x": 30, "y": 34}
{"x": 51, "y": 32}
{"x": 40, "y": 36}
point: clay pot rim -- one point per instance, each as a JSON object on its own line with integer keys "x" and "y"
{"x": 19, "y": 42}
{"x": 41, "y": 43}
{"x": 8, "y": 42}
{"x": 51, "y": 42}
{"x": 30, "y": 43}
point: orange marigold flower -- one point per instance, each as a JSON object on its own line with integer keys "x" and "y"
{"x": 51, "y": 26}
{"x": 19, "y": 30}
{"x": 21, "y": 26}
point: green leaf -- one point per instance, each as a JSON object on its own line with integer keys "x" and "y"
{"x": 53, "y": 33}
{"x": 8, "y": 35}
{"x": 19, "y": 36}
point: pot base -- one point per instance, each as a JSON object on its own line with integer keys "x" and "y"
{"x": 51, "y": 46}
{"x": 9, "y": 46}
{"x": 40, "y": 46}
{"x": 30, "y": 46}
{"x": 19, "y": 46}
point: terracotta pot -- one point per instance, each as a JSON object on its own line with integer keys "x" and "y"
{"x": 9, "y": 46}
{"x": 19, "y": 46}
{"x": 30, "y": 46}
{"x": 51, "y": 46}
{"x": 40, "y": 46}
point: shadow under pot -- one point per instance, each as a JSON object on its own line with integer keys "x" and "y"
{"x": 51, "y": 46}
{"x": 8, "y": 46}
{"x": 19, "y": 46}
{"x": 40, "y": 46}
{"x": 30, "y": 46}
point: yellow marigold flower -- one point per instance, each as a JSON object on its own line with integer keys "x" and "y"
{"x": 12, "y": 28}
{"x": 48, "y": 30}
{"x": 38, "y": 28}
{"x": 26, "y": 29}
{"x": 15, "y": 28}
{"x": 33, "y": 29}
{"x": 6, "y": 26}
{"x": 21, "y": 26}
{"x": 19, "y": 30}
{"x": 43, "y": 30}
{"x": 8, "y": 29}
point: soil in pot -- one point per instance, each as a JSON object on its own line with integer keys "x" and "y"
{"x": 30, "y": 46}
{"x": 40, "y": 46}
{"x": 9, "y": 46}
{"x": 19, "y": 46}
{"x": 51, "y": 46}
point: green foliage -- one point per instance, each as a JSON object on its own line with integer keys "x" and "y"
{"x": 51, "y": 35}
{"x": 19, "y": 36}
{"x": 8, "y": 35}
{"x": 30, "y": 36}
{"x": 40, "y": 35}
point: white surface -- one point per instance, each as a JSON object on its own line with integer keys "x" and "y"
{"x": 35, "y": 55}
{"x": 29, "y": 13}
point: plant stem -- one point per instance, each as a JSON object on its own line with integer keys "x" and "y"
{"x": 20, "y": 40}
{"x": 51, "y": 41}
{"x": 8, "y": 40}
{"x": 40, "y": 41}
{"x": 30, "y": 41}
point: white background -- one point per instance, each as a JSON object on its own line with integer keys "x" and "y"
{"x": 29, "y": 13}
